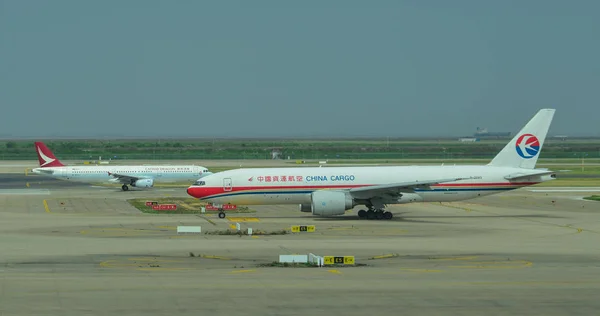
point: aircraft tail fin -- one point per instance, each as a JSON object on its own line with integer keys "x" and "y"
{"x": 524, "y": 149}
{"x": 46, "y": 157}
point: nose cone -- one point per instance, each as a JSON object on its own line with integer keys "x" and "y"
{"x": 195, "y": 192}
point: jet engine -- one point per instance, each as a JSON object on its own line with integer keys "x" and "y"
{"x": 143, "y": 183}
{"x": 328, "y": 203}
{"x": 306, "y": 208}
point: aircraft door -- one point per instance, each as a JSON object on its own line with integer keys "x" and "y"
{"x": 227, "y": 185}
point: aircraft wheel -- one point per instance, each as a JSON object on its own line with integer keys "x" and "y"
{"x": 221, "y": 214}
{"x": 388, "y": 215}
{"x": 125, "y": 187}
{"x": 370, "y": 214}
{"x": 362, "y": 214}
{"x": 379, "y": 215}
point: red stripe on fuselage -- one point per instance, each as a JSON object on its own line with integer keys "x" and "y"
{"x": 203, "y": 191}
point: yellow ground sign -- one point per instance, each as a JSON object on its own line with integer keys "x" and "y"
{"x": 303, "y": 228}
{"x": 338, "y": 260}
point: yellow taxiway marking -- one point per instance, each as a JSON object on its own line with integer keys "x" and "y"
{"x": 119, "y": 231}
{"x": 455, "y": 258}
{"x": 46, "y": 206}
{"x": 186, "y": 206}
{"x": 334, "y": 271}
{"x": 579, "y": 230}
{"x": 168, "y": 227}
{"x": 162, "y": 269}
{"x": 420, "y": 270}
{"x": 114, "y": 264}
{"x": 242, "y": 271}
{"x": 214, "y": 257}
{"x": 391, "y": 255}
{"x": 518, "y": 264}
{"x": 255, "y": 236}
{"x": 536, "y": 282}
{"x": 232, "y": 226}
{"x": 209, "y": 220}
{"x": 139, "y": 265}
{"x": 153, "y": 259}
{"x": 243, "y": 219}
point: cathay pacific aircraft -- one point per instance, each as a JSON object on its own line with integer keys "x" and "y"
{"x": 136, "y": 176}
{"x": 332, "y": 191}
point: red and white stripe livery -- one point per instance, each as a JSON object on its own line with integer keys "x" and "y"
{"x": 333, "y": 190}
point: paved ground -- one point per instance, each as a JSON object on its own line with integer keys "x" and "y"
{"x": 82, "y": 250}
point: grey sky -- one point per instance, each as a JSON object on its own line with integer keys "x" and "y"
{"x": 296, "y": 68}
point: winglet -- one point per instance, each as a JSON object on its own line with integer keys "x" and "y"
{"x": 45, "y": 156}
{"x": 524, "y": 149}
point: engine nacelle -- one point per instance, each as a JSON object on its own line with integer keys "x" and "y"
{"x": 328, "y": 203}
{"x": 306, "y": 208}
{"x": 143, "y": 183}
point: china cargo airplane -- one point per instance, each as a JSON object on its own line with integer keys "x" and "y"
{"x": 332, "y": 191}
{"x": 136, "y": 176}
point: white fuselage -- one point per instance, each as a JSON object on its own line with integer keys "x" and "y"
{"x": 268, "y": 186}
{"x": 92, "y": 174}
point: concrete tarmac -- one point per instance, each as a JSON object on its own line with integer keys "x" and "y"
{"x": 83, "y": 250}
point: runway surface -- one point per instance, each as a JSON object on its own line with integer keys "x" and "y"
{"x": 76, "y": 249}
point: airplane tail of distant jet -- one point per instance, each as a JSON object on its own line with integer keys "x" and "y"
{"x": 524, "y": 149}
{"x": 45, "y": 156}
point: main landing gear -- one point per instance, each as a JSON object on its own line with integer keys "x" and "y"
{"x": 375, "y": 214}
{"x": 221, "y": 214}
{"x": 125, "y": 187}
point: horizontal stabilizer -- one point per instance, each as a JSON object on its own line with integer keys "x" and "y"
{"x": 522, "y": 175}
{"x": 42, "y": 170}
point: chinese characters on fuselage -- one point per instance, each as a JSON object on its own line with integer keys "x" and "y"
{"x": 289, "y": 178}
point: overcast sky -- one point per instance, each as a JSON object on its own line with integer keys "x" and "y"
{"x": 296, "y": 68}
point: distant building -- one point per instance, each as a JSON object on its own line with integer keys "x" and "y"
{"x": 468, "y": 139}
{"x": 483, "y": 132}
{"x": 561, "y": 137}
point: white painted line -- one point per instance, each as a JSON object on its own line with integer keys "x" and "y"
{"x": 567, "y": 190}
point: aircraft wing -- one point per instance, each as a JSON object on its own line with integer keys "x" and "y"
{"x": 123, "y": 178}
{"x": 42, "y": 170}
{"x": 395, "y": 189}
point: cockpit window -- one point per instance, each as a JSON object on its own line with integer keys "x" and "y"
{"x": 199, "y": 183}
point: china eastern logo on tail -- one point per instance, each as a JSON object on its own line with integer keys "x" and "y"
{"x": 528, "y": 146}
